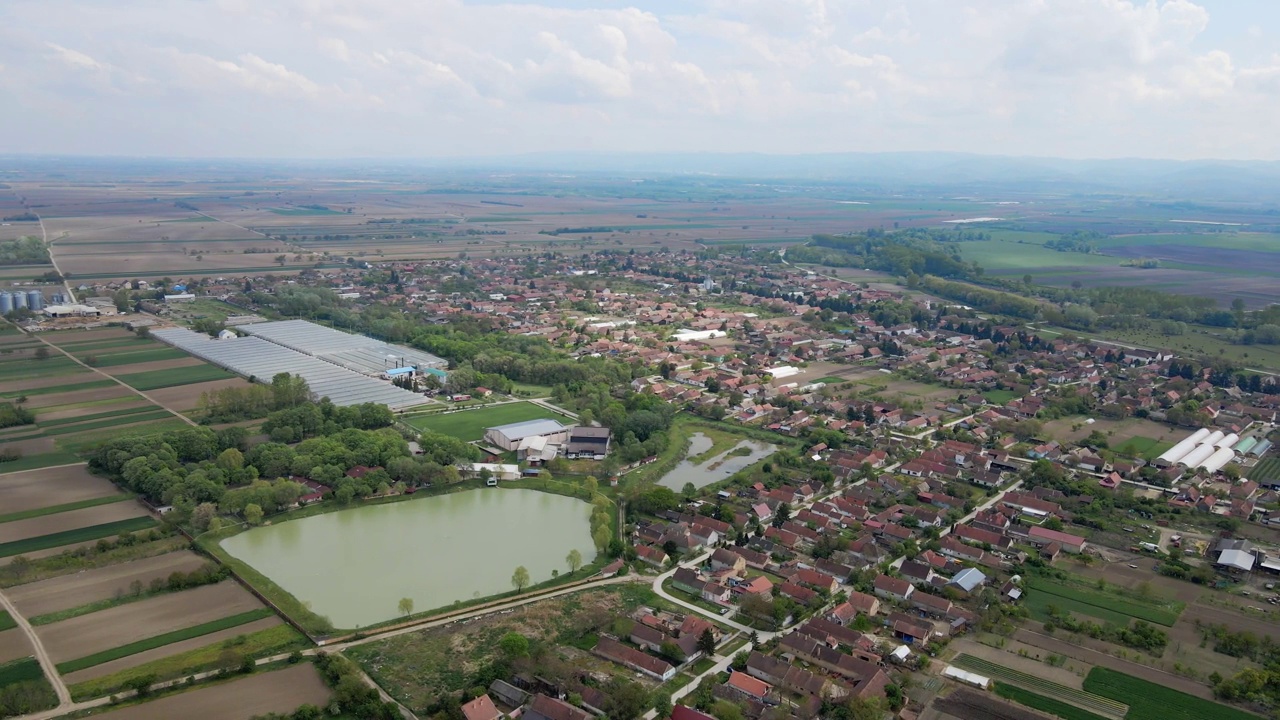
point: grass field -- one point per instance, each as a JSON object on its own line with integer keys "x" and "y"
{"x": 999, "y": 397}
{"x": 1084, "y": 699}
{"x": 84, "y": 534}
{"x": 1143, "y": 447}
{"x": 20, "y": 671}
{"x": 34, "y": 692}
{"x": 173, "y": 377}
{"x": 470, "y": 425}
{"x": 6, "y": 622}
{"x": 281, "y": 638}
{"x": 161, "y": 640}
{"x": 54, "y": 509}
{"x": 1105, "y": 604}
{"x": 1040, "y": 702}
{"x": 1149, "y": 701}
{"x": 34, "y": 462}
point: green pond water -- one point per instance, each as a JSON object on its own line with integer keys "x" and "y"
{"x": 353, "y": 566}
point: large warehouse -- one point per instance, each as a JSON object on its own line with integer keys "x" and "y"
{"x": 256, "y": 358}
{"x": 508, "y": 437}
{"x": 358, "y": 353}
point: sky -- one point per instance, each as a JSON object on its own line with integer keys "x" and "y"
{"x": 448, "y": 78}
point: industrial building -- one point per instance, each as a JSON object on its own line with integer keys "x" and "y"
{"x": 509, "y": 437}
{"x": 260, "y": 360}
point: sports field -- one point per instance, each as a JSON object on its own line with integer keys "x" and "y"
{"x": 469, "y": 425}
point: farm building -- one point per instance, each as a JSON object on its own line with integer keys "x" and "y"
{"x": 508, "y": 437}
{"x": 1043, "y": 536}
{"x": 588, "y": 442}
{"x": 689, "y": 335}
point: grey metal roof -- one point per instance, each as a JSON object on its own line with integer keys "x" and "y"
{"x": 360, "y": 353}
{"x": 1238, "y": 559}
{"x": 968, "y": 579}
{"x": 528, "y": 428}
{"x": 257, "y": 358}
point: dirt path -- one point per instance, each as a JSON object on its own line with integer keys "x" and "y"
{"x": 44, "y": 237}
{"x": 1093, "y": 657}
{"x": 122, "y": 383}
{"x": 50, "y": 670}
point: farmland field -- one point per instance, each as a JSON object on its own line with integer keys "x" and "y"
{"x": 470, "y": 425}
{"x": 1095, "y": 704}
{"x": 1040, "y": 702}
{"x": 71, "y": 641}
{"x": 24, "y": 688}
{"x": 280, "y": 691}
{"x": 1149, "y": 701}
{"x": 49, "y": 487}
{"x": 173, "y": 377}
{"x": 1107, "y": 605}
{"x": 69, "y": 591}
{"x": 69, "y": 521}
{"x": 159, "y": 641}
{"x": 1266, "y": 470}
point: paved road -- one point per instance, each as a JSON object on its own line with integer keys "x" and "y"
{"x": 50, "y": 670}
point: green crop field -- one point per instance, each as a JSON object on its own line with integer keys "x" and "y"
{"x": 1149, "y": 701}
{"x": 55, "y": 509}
{"x": 1268, "y": 469}
{"x": 34, "y": 462}
{"x": 470, "y": 425}
{"x": 67, "y": 537}
{"x": 151, "y": 413}
{"x": 6, "y": 621}
{"x": 1011, "y": 257}
{"x": 168, "y": 638}
{"x": 1040, "y": 702}
{"x": 300, "y": 211}
{"x": 121, "y": 413}
{"x": 20, "y": 671}
{"x": 1040, "y": 603}
{"x": 174, "y": 377}
{"x": 1105, "y": 601}
{"x": 106, "y": 359}
{"x": 1048, "y": 689}
{"x": 74, "y": 387}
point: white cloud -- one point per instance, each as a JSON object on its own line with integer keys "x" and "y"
{"x": 1056, "y": 77}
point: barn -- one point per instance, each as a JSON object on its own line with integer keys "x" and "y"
{"x": 508, "y": 437}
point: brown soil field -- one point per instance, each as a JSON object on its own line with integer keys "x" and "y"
{"x": 48, "y": 553}
{"x": 80, "y": 396}
{"x": 186, "y": 397}
{"x": 281, "y": 691}
{"x": 153, "y": 365}
{"x": 70, "y": 520}
{"x": 77, "y": 336}
{"x": 1121, "y": 430}
{"x": 142, "y": 658}
{"x": 34, "y": 446}
{"x": 1091, "y": 656}
{"x": 13, "y": 645}
{"x": 82, "y": 588}
{"x": 1031, "y": 663}
{"x": 113, "y": 627}
{"x": 126, "y": 403}
{"x": 47, "y": 487}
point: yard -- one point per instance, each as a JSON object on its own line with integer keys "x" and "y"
{"x": 469, "y": 425}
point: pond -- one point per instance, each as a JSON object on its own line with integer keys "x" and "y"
{"x": 716, "y": 468}
{"x": 354, "y": 566}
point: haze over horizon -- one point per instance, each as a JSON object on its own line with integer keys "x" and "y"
{"x": 1168, "y": 79}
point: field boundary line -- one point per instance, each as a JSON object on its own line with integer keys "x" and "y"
{"x": 46, "y": 663}
{"x": 1053, "y": 690}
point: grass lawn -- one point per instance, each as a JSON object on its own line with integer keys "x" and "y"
{"x": 999, "y": 397}
{"x": 168, "y": 638}
{"x": 1105, "y": 604}
{"x": 1149, "y": 701}
{"x": 67, "y": 537}
{"x": 173, "y": 377}
{"x": 470, "y": 425}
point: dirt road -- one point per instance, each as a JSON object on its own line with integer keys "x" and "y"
{"x": 50, "y": 670}
{"x": 1093, "y": 657}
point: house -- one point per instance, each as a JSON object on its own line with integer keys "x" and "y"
{"x": 864, "y": 603}
{"x": 1043, "y": 536}
{"x": 651, "y": 555}
{"x": 968, "y": 580}
{"x": 680, "y": 712}
{"x": 508, "y": 694}
{"x": 482, "y": 708}
{"x": 588, "y": 442}
{"x": 892, "y": 588}
{"x": 548, "y": 708}
{"x": 751, "y": 687}
{"x": 724, "y": 559}
{"x": 688, "y": 580}
{"x": 643, "y": 663}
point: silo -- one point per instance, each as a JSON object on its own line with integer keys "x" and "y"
{"x": 6, "y": 303}
{"x": 35, "y": 300}
{"x": 58, "y": 299}
{"x": 19, "y": 300}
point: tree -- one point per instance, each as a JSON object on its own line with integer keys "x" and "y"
{"x": 520, "y": 578}
{"x": 707, "y": 642}
{"x": 405, "y": 606}
{"x": 689, "y": 491}
{"x": 203, "y": 515}
{"x": 514, "y": 645}
{"x": 42, "y": 353}
{"x": 625, "y": 700}
{"x": 591, "y": 484}
{"x": 574, "y": 558}
{"x": 253, "y": 513}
